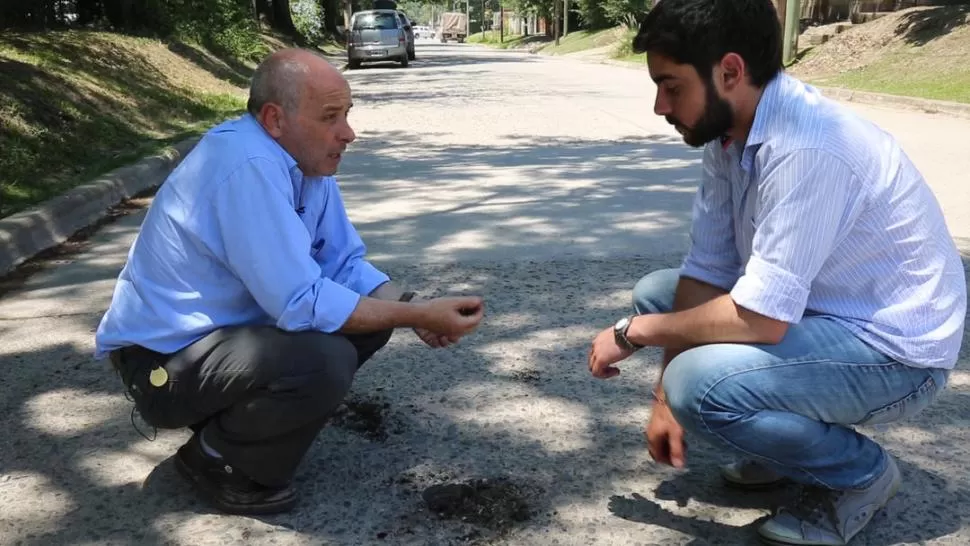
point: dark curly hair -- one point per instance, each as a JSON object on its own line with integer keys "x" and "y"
{"x": 701, "y": 32}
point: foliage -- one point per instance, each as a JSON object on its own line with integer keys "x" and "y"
{"x": 74, "y": 104}
{"x": 597, "y": 14}
{"x": 308, "y": 19}
{"x": 225, "y": 26}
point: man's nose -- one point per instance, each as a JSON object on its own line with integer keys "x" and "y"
{"x": 347, "y": 134}
{"x": 660, "y": 106}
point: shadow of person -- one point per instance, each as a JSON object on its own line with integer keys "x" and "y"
{"x": 927, "y": 507}
{"x": 709, "y": 488}
{"x": 705, "y": 532}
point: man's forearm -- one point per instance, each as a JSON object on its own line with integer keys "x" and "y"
{"x": 720, "y": 320}
{"x": 690, "y": 293}
{"x": 702, "y": 314}
{"x": 374, "y": 314}
{"x": 387, "y": 291}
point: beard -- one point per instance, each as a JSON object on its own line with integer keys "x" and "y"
{"x": 715, "y": 122}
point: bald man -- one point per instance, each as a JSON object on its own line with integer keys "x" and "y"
{"x": 247, "y": 305}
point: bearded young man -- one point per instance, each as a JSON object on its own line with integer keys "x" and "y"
{"x": 821, "y": 290}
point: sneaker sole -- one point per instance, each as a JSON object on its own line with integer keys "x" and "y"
{"x": 764, "y": 486}
{"x": 283, "y": 505}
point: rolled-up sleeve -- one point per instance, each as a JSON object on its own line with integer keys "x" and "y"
{"x": 807, "y": 200}
{"x": 713, "y": 256}
{"x": 266, "y": 247}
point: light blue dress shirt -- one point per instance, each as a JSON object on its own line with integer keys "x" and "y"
{"x": 821, "y": 212}
{"x": 237, "y": 236}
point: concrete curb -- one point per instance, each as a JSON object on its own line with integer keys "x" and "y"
{"x": 928, "y": 106}
{"x": 27, "y": 233}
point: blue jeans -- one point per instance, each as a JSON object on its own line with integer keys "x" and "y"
{"x": 791, "y": 406}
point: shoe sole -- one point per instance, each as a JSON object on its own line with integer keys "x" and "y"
{"x": 765, "y": 486}
{"x": 283, "y": 505}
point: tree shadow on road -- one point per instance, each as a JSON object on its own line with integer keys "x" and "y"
{"x": 512, "y": 402}
{"x": 528, "y": 196}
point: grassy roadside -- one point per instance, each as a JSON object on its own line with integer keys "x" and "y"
{"x": 920, "y": 52}
{"x": 76, "y": 104}
{"x": 492, "y": 38}
{"x": 611, "y": 43}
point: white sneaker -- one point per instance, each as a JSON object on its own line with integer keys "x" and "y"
{"x": 751, "y": 475}
{"x": 823, "y": 517}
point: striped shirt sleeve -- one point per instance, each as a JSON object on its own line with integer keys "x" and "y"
{"x": 713, "y": 256}
{"x": 807, "y": 200}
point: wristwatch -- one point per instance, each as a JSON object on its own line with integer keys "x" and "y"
{"x": 619, "y": 333}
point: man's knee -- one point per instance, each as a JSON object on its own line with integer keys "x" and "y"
{"x": 330, "y": 363}
{"x": 654, "y": 292}
{"x": 691, "y": 383}
{"x": 368, "y": 344}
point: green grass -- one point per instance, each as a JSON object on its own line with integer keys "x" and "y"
{"x": 74, "y": 105}
{"x": 492, "y": 38}
{"x": 899, "y": 74}
{"x": 581, "y": 40}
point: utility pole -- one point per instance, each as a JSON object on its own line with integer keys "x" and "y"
{"x": 555, "y": 23}
{"x": 792, "y": 12}
{"x": 565, "y": 19}
{"x": 501, "y": 22}
{"x": 468, "y": 18}
{"x": 483, "y": 20}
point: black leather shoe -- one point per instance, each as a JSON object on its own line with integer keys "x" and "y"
{"x": 227, "y": 488}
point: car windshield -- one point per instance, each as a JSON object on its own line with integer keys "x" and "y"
{"x": 383, "y": 21}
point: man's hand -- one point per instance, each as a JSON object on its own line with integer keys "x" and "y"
{"x": 665, "y": 437}
{"x": 435, "y": 341}
{"x": 604, "y": 353}
{"x": 450, "y": 317}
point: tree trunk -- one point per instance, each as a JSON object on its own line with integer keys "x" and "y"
{"x": 265, "y": 11}
{"x": 332, "y": 15}
{"x": 87, "y": 11}
{"x": 281, "y": 13}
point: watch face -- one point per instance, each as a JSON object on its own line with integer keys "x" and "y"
{"x": 621, "y": 324}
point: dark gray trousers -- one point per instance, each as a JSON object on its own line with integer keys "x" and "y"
{"x": 259, "y": 394}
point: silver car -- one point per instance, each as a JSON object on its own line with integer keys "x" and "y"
{"x": 377, "y": 35}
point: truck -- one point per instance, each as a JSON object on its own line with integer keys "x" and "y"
{"x": 454, "y": 26}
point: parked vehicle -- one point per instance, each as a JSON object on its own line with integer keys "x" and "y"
{"x": 378, "y": 35}
{"x": 409, "y": 30}
{"x": 453, "y": 27}
{"x": 423, "y": 32}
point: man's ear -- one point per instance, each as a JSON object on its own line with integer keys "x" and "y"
{"x": 732, "y": 73}
{"x": 271, "y": 118}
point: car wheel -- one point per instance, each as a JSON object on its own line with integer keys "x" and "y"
{"x": 411, "y": 55}
{"x": 404, "y": 61}
{"x": 352, "y": 64}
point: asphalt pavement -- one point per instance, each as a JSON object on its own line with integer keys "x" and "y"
{"x": 548, "y": 186}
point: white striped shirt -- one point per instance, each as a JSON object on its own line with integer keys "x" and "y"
{"x": 821, "y": 212}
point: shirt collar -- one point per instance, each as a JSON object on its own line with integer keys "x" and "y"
{"x": 767, "y": 105}
{"x": 257, "y": 128}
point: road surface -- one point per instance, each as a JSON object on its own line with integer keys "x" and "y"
{"x": 548, "y": 186}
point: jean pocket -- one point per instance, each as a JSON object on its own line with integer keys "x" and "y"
{"x": 905, "y": 407}
{"x": 159, "y": 406}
